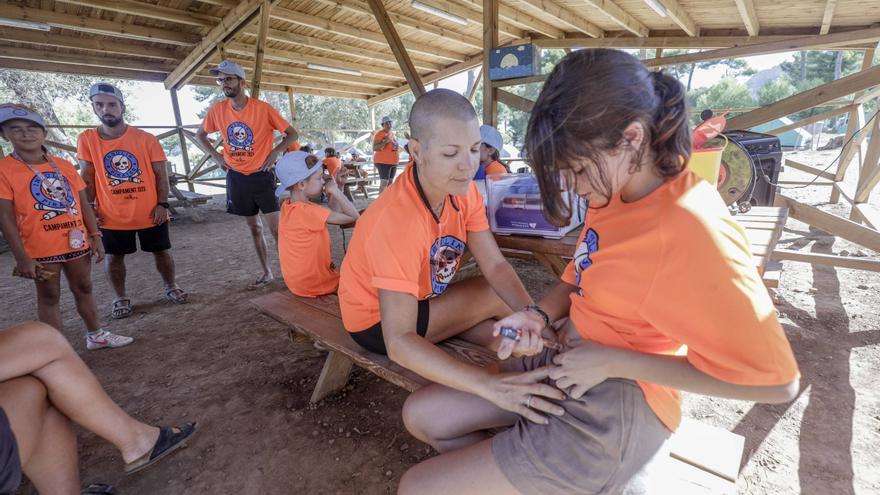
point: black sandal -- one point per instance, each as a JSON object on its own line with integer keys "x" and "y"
{"x": 168, "y": 441}
{"x": 98, "y": 489}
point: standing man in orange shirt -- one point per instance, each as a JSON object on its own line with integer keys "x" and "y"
{"x": 129, "y": 188}
{"x": 385, "y": 154}
{"x": 247, "y": 125}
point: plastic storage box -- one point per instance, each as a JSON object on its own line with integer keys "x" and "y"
{"x": 514, "y": 207}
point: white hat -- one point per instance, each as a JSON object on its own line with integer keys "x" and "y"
{"x": 386, "y": 119}
{"x": 292, "y": 168}
{"x": 491, "y": 137}
{"x": 228, "y": 67}
{"x": 103, "y": 88}
{"x": 12, "y": 112}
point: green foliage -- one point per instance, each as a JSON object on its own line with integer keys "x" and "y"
{"x": 728, "y": 93}
{"x": 819, "y": 66}
{"x": 776, "y": 90}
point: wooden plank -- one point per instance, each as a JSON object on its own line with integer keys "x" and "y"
{"x": 808, "y": 168}
{"x": 819, "y": 117}
{"x": 60, "y": 68}
{"x": 808, "y": 99}
{"x": 291, "y": 104}
{"x": 260, "y": 49}
{"x": 772, "y": 274}
{"x": 749, "y": 16}
{"x": 678, "y": 15}
{"x": 490, "y": 41}
{"x": 567, "y": 17}
{"x": 553, "y": 264}
{"x": 403, "y": 60}
{"x": 85, "y": 60}
{"x": 116, "y": 47}
{"x": 711, "y": 449}
{"x": 472, "y": 92}
{"x": 443, "y": 74}
{"x": 868, "y": 214}
{"x": 827, "y": 16}
{"x": 869, "y": 173}
{"x": 90, "y": 24}
{"x": 472, "y": 11}
{"x": 291, "y": 56}
{"x": 704, "y": 42}
{"x": 619, "y": 16}
{"x": 231, "y": 22}
{"x": 334, "y": 376}
{"x": 830, "y": 223}
{"x": 827, "y": 259}
{"x": 149, "y": 11}
{"x": 682, "y": 478}
{"x": 852, "y": 141}
{"x": 514, "y": 101}
{"x": 517, "y": 81}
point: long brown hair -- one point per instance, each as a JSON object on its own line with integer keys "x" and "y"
{"x": 587, "y": 102}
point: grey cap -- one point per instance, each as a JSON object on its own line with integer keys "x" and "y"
{"x": 292, "y": 168}
{"x": 12, "y": 112}
{"x": 228, "y": 67}
{"x": 386, "y": 119}
{"x": 103, "y": 88}
{"x": 491, "y": 137}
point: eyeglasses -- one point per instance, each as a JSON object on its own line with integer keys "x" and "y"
{"x": 228, "y": 79}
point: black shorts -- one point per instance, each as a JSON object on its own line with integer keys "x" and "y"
{"x": 371, "y": 339}
{"x": 386, "y": 172}
{"x": 121, "y": 242}
{"x": 247, "y": 195}
{"x": 10, "y": 463}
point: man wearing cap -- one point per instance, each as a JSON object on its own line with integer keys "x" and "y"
{"x": 385, "y": 154}
{"x": 126, "y": 174}
{"x": 247, "y": 125}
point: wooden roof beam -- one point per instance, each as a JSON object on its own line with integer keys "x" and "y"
{"x": 808, "y": 99}
{"x": 667, "y": 42}
{"x": 474, "y": 12}
{"x": 315, "y": 22}
{"x": 83, "y": 43}
{"x": 231, "y": 22}
{"x": 292, "y": 80}
{"x": 443, "y": 74}
{"x": 620, "y": 16}
{"x": 749, "y": 16}
{"x": 678, "y": 15}
{"x": 43, "y": 66}
{"x": 84, "y": 59}
{"x": 150, "y": 11}
{"x": 827, "y": 16}
{"x": 565, "y": 16}
{"x": 327, "y": 77}
{"x": 281, "y": 88}
{"x": 396, "y": 45}
{"x": 260, "y": 49}
{"x": 518, "y": 19}
{"x": 99, "y": 26}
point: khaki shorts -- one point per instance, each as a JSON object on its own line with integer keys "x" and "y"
{"x": 609, "y": 441}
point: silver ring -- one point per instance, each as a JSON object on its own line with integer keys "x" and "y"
{"x": 529, "y": 402}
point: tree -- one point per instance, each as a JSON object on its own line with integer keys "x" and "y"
{"x": 776, "y": 90}
{"x": 728, "y": 93}
{"x": 685, "y": 72}
{"x": 821, "y": 67}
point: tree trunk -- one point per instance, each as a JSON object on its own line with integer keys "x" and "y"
{"x": 803, "y": 66}
{"x": 471, "y": 80}
{"x": 691, "y": 76}
{"x": 838, "y": 64}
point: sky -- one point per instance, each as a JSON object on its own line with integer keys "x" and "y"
{"x": 153, "y": 105}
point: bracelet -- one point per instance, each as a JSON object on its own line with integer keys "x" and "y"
{"x": 96, "y": 234}
{"x": 537, "y": 309}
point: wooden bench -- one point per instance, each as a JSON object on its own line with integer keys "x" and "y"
{"x": 703, "y": 459}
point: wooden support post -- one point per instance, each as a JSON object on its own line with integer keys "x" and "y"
{"x": 869, "y": 173}
{"x": 854, "y": 122}
{"x": 490, "y": 41}
{"x": 472, "y": 91}
{"x": 292, "y": 104}
{"x": 261, "y": 49}
{"x": 372, "y": 118}
{"x": 221, "y": 49}
{"x": 397, "y": 48}
{"x": 334, "y": 376}
{"x": 175, "y": 106}
{"x": 833, "y": 224}
{"x": 514, "y": 101}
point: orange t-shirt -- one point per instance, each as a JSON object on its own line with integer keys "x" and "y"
{"x": 387, "y": 155}
{"x": 295, "y": 146}
{"x": 333, "y": 164}
{"x": 672, "y": 273}
{"x": 304, "y": 250}
{"x": 125, "y": 183}
{"x": 399, "y": 245}
{"x": 42, "y": 219}
{"x": 496, "y": 167}
{"x": 247, "y": 135}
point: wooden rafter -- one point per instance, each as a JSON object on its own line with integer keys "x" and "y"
{"x": 473, "y": 12}
{"x": 406, "y": 65}
{"x": 669, "y": 42}
{"x": 808, "y": 99}
{"x": 85, "y": 59}
{"x": 99, "y": 26}
{"x": 149, "y": 11}
{"x": 819, "y": 117}
{"x": 443, "y": 74}
{"x": 299, "y": 71}
{"x": 231, "y": 22}
{"x": 260, "y": 48}
{"x": 678, "y": 15}
{"x": 291, "y": 104}
{"x": 522, "y": 20}
{"x": 563, "y": 15}
{"x": 60, "y": 68}
{"x": 490, "y": 41}
{"x": 292, "y": 56}
{"x": 515, "y": 101}
{"x": 116, "y": 47}
{"x": 749, "y": 16}
{"x": 620, "y": 16}
{"x": 828, "y": 16}
{"x": 282, "y": 88}
{"x": 297, "y": 82}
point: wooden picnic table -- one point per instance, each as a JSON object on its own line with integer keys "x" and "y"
{"x": 763, "y": 226}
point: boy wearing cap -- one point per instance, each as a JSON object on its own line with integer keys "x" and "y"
{"x": 490, "y": 153}
{"x": 303, "y": 240}
{"x": 129, "y": 188}
{"x": 247, "y": 126}
{"x": 385, "y": 154}
{"x": 45, "y": 218}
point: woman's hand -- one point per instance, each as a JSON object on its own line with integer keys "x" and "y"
{"x": 524, "y": 394}
{"x": 531, "y": 328}
{"x": 27, "y": 268}
{"x": 582, "y": 368}
{"x": 97, "y": 250}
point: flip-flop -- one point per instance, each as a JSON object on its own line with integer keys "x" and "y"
{"x": 168, "y": 441}
{"x": 121, "y": 308}
{"x": 177, "y": 295}
{"x": 98, "y": 489}
{"x": 259, "y": 283}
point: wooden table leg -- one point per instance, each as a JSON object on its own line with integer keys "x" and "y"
{"x": 334, "y": 376}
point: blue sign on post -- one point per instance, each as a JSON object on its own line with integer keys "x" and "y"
{"x": 514, "y": 61}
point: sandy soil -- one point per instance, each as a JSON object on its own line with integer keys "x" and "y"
{"x": 219, "y": 362}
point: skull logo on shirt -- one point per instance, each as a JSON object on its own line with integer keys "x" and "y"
{"x": 239, "y": 137}
{"x": 121, "y": 166}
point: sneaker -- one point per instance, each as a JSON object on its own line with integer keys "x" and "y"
{"x": 103, "y": 338}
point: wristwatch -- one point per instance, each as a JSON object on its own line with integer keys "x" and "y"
{"x": 164, "y": 204}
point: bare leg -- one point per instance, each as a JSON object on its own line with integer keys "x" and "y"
{"x": 72, "y": 388}
{"x": 475, "y": 325}
{"x": 383, "y": 184}
{"x": 165, "y": 266}
{"x": 46, "y": 442}
{"x": 48, "y": 296}
{"x": 272, "y": 221}
{"x": 79, "y": 277}
{"x": 469, "y": 471}
{"x": 449, "y": 419}
{"x": 114, "y": 266}
{"x": 256, "y": 226}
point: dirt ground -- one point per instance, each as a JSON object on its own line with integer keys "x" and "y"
{"x": 235, "y": 371}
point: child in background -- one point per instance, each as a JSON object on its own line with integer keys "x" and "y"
{"x": 303, "y": 240}
{"x": 490, "y": 153}
{"x": 334, "y": 167}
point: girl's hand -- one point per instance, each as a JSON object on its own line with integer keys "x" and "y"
{"x": 97, "y": 250}
{"x": 582, "y": 368}
{"x": 27, "y": 268}
{"x": 531, "y": 327}
{"x": 524, "y": 394}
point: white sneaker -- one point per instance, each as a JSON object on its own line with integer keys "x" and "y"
{"x": 103, "y": 339}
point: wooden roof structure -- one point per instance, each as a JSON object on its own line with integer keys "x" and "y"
{"x": 304, "y": 41}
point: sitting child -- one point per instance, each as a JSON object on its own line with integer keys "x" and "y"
{"x": 303, "y": 240}
{"x": 334, "y": 167}
{"x": 490, "y": 153}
